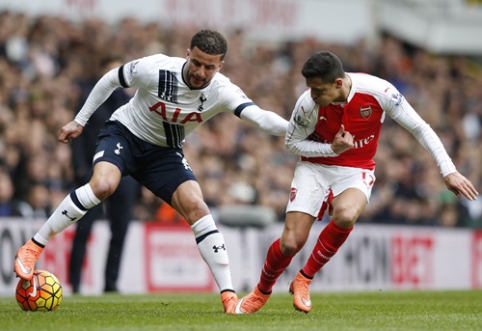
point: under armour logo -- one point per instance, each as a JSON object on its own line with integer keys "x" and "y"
{"x": 67, "y": 215}
{"x": 202, "y": 98}
{"x": 217, "y": 248}
{"x": 119, "y": 147}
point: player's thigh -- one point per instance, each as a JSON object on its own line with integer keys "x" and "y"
{"x": 309, "y": 189}
{"x": 348, "y": 205}
{"x": 114, "y": 157}
{"x": 343, "y": 178}
{"x": 166, "y": 173}
{"x": 352, "y": 189}
{"x": 116, "y": 145}
{"x": 188, "y": 201}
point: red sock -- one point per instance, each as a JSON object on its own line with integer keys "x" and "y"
{"x": 274, "y": 265}
{"x": 330, "y": 239}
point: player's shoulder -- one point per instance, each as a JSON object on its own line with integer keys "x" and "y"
{"x": 163, "y": 61}
{"x": 221, "y": 81}
{"x": 376, "y": 86}
{"x": 370, "y": 83}
{"x": 221, "y": 84}
{"x": 305, "y": 100}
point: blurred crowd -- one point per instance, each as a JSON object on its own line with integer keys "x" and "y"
{"x": 46, "y": 64}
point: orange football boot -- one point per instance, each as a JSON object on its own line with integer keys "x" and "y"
{"x": 251, "y": 303}
{"x": 299, "y": 287}
{"x": 229, "y": 300}
{"x": 25, "y": 259}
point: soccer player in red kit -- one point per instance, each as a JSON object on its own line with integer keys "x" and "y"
{"x": 335, "y": 128}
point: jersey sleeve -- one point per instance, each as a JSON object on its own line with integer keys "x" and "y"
{"x": 301, "y": 125}
{"x": 99, "y": 94}
{"x": 233, "y": 99}
{"x": 266, "y": 120}
{"x": 138, "y": 73}
{"x": 404, "y": 114}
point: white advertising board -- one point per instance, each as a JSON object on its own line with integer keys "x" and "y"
{"x": 160, "y": 259}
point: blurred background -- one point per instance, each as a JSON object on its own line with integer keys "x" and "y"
{"x": 431, "y": 50}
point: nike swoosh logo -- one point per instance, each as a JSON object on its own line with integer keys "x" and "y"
{"x": 237, "y": 309}
{"x": 22, "y": 267}
{"x": 307, "y": 303}
{"x": 34, "y": 292}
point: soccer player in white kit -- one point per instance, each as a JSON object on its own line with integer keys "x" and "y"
{"x": 335, "y": 128}
{"x": 144, "y": 139}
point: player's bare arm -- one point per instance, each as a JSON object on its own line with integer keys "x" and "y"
{"x": 70, "y": 131}
{"x": 343, "y": 141}
{"x": 460, "y": 185}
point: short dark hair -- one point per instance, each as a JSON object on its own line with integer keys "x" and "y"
{"x": 324, "y": 65}
{"x": 210, "y": 42}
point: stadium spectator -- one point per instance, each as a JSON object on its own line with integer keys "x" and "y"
{"x": 8, "y": 206}
{"x": 446, "y": 90}
{"x": 118, "y": 208}
{"x": 37, "y": 205}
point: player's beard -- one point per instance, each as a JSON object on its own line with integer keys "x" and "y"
{"x": 195, "y": 82}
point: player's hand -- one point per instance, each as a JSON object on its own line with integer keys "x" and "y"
{"x": 460, "y": 185}
{"x": 343, "y": 141}
{"x": 70, "y": 131}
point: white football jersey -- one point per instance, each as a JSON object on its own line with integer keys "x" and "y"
{"x": 164, "y": 110}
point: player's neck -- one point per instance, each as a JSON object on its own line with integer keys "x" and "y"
{"x": 346, "y": 89}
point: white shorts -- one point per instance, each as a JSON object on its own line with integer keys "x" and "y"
{"x": 314, "y": 185}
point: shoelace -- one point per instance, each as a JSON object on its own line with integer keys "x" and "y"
{"x": 303, "y": 288}
{"x": 33, "y": 256}
{"x": 254, "y": 300}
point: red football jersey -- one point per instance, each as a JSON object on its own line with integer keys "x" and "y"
{"x": 362, "y": 116}
{"x": 312, "y": 128}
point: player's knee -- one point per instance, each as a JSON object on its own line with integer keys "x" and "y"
{"x": 194, "y": 209}
{"x": 103, "y": 189}
{"x": 345, "y": 217}
{"x": 290, "y": 247}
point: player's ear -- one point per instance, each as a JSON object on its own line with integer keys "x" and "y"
{"x": 188, "y": 52}
{"x": 220, "y": 65}
{"x": 338, "y": 82}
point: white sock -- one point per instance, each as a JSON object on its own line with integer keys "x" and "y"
{"x": 70, "y": 210}
{"x": 212, "y": 247}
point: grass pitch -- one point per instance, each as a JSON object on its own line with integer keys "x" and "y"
{"x": 448, "y": 310}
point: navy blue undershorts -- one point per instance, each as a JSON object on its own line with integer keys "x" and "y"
{"x": 160, "y": 169}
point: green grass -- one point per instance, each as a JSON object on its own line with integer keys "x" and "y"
{"x": 448, "y": 310}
